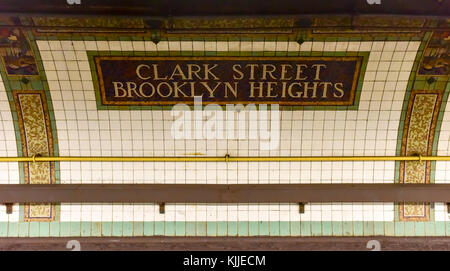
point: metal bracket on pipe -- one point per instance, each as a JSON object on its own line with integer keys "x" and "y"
{"x": 301, "y": 207}
{"x": 226, "y": 158}
{"x": 162, "y": 208}
{"x": 9, "y": 208}
{"x": 34, "y": 157}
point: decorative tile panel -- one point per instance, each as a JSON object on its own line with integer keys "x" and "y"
{"x": 36, "y": 135}
{"x": 418, "y": 134}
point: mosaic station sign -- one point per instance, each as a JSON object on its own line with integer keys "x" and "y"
{"x": 227, "y": 80}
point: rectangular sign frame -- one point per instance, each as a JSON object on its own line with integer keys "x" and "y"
{"x": 355, "y": 76}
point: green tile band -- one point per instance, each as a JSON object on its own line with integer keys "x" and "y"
{"x": 242, "y": 228}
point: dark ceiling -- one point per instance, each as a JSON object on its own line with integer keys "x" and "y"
{"x": 176, "y": 8}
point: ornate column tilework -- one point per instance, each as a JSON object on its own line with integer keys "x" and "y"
{"x": 36, "y": 139}
{"x": 421, "y": 117}
{"x": 434, "y": 68}
{"x": 32, "y": 113}
{"x": 423, "y": 110}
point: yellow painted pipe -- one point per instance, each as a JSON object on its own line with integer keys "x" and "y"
{"x": 223, "y": 159}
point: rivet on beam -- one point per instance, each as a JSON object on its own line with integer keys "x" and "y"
{"x": 9, "y": 208}
{"x": 156, "y": 39}
{"x": 301, "y": 207}
{"x": 162, "y": 208}
{"x": 24, "y": 80}
{"x": 431, "y": 80}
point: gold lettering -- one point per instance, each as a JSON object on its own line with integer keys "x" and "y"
{"x": 155, "y": 73}
{"x": 141, "y": 89}
{"x": 290, "y": 90}
{"x": 177, "y": 89}
{"x": 265, "y": 71}
{"x": 158, "y": 89}
{"x": 119, "y": 86}
{"x": 178, "y": 72}
{"x": 318, "y": 67}
{"x": 340, "y": 90}
{"x": 283, "y": 91}
{"x": 192, "y": 84}
{"x": 191, "y": 71}
{"x": 306, "y": 87}
{"x": 253, "y": 88}
{"x": 269, "y": 75}
{"x": 299, "y": 72}
{"x": 132, "y": 87}
{"x": 269, "y": 89}
{"x": 230, "y": 88}
{"x": 252, "y": 70}
{"x": 138, "y": 71}
{"x": 241, "y": 74}
{"x": 284, "y": 70}
{"x": 325, "y": 88}
{"x": 211, "y": 91}
{"x": 208, "y": 71}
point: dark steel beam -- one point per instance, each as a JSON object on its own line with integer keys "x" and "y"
{"x": 224, "y": 7}
{"x": 220, "y": 193}
{"x": 128, "y": 30}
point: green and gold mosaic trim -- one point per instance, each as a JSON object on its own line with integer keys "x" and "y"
{"x": 423, "y": 109}
{"x": 34, "y": 123}
{"x": 237, "y": 26}
{"x": 35, "y": 130}
{"x": 419, "y": 129}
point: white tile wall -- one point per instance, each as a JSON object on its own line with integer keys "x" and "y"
{"x": 85, "y": 131}
{"x": 229, "y": 212}
{"x": 442, "y": 173}
{"x": 9, "y": 171}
